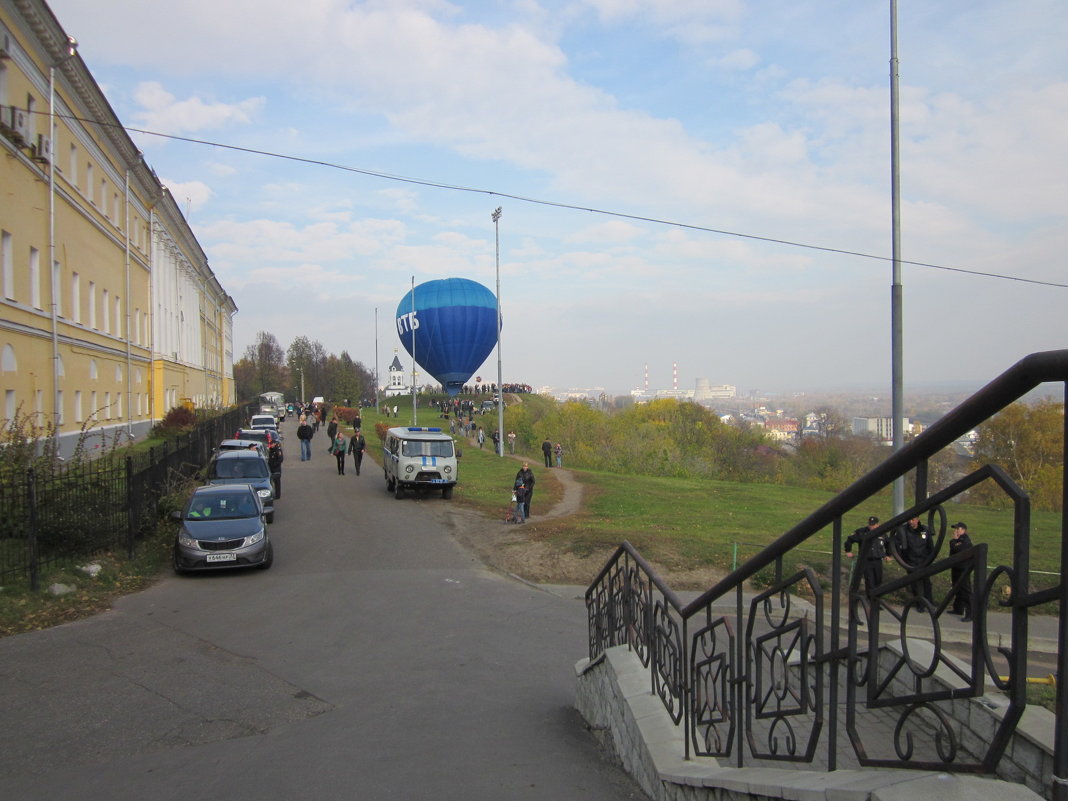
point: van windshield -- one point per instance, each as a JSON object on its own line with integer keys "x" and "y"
{"x": 417, "y": 447}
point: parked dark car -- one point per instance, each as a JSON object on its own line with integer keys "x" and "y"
{"x": 243, "y": 467}
{"x": 272, "y": 442}
{"x": 222, "y": 527}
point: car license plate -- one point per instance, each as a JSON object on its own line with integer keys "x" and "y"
{"x": 222, "y": 557}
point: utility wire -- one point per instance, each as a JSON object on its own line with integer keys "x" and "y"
{"x": 575, "y": 207}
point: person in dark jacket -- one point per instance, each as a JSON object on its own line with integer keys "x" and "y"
{"x": 305, "y": 432}
{"x": 871, "y": 566}
{"x": 331, "y": 431}
{"x": 525, "y": 476}
{"x": 962, "y": 597}
{"x": 357, "y": 446}
{"x": 915, "y": 544}
{"x": 274, "y": 463}
{"x": 547, "y": 450}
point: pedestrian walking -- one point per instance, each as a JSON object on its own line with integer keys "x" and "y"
{"x": 338, "y": 449}
{"x": 558, "y": 452}
{"x": 357, "y": 446}
{"x": 511, "y": 441}
{"x": 305, "y": 432}
{"x": 331, "y": 432}
{"x": 547, "y": 451}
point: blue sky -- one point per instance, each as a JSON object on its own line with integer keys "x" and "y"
{"x": 768, "y": 119}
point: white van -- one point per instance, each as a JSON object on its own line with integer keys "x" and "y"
{"x": 417, "y": 457}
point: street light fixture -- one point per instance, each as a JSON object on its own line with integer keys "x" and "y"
{"x": 500, "y": 383}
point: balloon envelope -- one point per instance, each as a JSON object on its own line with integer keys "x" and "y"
{"x": 449, "y": 329}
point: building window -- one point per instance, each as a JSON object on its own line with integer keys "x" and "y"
{"x": 106, "y": 303}
{"x": 10, "y": 405}
{"x": 35, "y": 278}
{"x": 60, "y": 419}
{"x": 137, "y": 326}
{"x": 89, "y": 181}
{"x": 7, "y": 264}
{"x": 92, "y": 304}
{"x": 72, "y": 168}
{"x": 107, "y": 405}
{"x": 118, "y": 317}
{"x": 75, "y": 297}
{"x": 78, "y": 406}
{"x": 93, "y": 408}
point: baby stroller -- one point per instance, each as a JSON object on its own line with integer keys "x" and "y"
{"x": 518, "y": 495}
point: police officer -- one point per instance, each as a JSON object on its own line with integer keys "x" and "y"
{"x": 962, "y": 598}
{"x": 915, "y": 544}
{"x": 872, "y": 568}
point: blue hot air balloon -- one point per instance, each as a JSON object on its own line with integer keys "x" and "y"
{"x": 449, "y": 329}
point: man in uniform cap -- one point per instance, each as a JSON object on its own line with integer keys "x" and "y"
{"x": 962, "y": 596}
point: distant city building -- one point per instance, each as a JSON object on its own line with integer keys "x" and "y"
{"x": 782, "y": 429}
{"x": 701, "y": 393}
{"x": 880, "y": 428}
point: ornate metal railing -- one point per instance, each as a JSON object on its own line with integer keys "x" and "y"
{"x": 757, "y": 678}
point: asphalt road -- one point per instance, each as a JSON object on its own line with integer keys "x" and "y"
{"x": 375, "y": 660}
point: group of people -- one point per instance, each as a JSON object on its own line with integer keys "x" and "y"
{"x": 915, "y": 546}
{"x": 339, "y": 446}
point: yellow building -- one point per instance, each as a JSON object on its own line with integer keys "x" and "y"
{"x": 109, "y": 313}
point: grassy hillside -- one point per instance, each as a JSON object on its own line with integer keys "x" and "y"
{"x": 694, "y": 522}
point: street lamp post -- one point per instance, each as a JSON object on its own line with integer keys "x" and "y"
{"x": 500, "y": 383}
{"x": 301, "y": 371}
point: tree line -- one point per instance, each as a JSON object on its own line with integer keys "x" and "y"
{"x": 678, "y": 438}
{"x": 266, "y": 367}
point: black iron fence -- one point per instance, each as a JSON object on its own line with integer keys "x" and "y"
{"x": 755, "y": 677}
{"x": 60, "y": 512}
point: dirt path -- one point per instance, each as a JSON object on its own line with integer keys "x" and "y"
{"x": 529, "y": 550}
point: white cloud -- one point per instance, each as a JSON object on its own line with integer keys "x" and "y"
{"x": 162, "y": 112}
{"x": 189, "y": 195}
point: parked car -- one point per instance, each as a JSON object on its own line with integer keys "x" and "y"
{"x": 222, "y": 527}
{"x": 419, "y": 458}
{"x": 272, "y": 442}
{"x": 243, "y": 467}
{"x": 263, "y": 421}
{"x": 242, "y": 445}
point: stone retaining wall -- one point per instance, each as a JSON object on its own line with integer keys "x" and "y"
{"x": 614, "y": 697}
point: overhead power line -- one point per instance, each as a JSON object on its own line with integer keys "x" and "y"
{"x": 576, "y": 207}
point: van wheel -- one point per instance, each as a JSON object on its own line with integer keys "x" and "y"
{"x": 446, "y": 492}
{"x": 398, "y": 490}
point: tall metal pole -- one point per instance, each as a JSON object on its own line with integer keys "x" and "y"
{"x": 72, "y": 46}
{"x": 500, "y": 383}
{"x": 411, "y": 328}
{"x": 896, "y": 346}
{"x": 377, "y": 410}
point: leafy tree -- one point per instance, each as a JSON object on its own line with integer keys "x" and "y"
{"x": 268, "y": 362}
{"x": 1027, "y": 440}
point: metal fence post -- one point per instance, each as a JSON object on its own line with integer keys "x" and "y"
{"x": 31, "y": 539}
{"x": 133, "y": 509}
